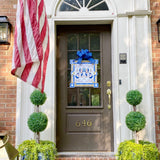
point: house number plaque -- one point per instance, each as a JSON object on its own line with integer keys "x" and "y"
{"x": 80, "y": 122}
{"x": 84, "y": 123}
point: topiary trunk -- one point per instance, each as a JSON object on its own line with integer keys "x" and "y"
{"x": 37, "y": 137}
{"x": 134, "y": 108}
{"x": 37, "y": 134}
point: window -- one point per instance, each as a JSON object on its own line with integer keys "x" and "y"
{"x": 83, "y": 96}
{"x": 84, "y": 5}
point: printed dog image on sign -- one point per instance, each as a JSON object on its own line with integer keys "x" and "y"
{"x": 84, "y": 74}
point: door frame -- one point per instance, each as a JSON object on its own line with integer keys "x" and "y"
{"x": 105, "y": 56}
{"x": 115, "y": 88}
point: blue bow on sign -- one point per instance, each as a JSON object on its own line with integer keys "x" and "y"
{"x": 84, "y": 55}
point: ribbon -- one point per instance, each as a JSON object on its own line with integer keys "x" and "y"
{"x": 84, "y": 55}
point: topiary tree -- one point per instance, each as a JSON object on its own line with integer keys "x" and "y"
{"x": 135, "y": 121}
{"x": 37, "y": 122}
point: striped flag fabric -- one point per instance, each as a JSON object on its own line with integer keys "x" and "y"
{"x": 31, "y": 43}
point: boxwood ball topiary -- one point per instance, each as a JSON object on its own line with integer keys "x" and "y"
{"x": 134, "y": 97}
{"x": 135, "y": 121}
{"x": 38, "y": 98}
{"x": 37, "y": 122}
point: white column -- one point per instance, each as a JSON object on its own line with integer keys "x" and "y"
{"x": 23, "y": 111}
{"x": 50, "y": 89}
{"x": 124, "y": 76}
{"x": 144, "y": 74}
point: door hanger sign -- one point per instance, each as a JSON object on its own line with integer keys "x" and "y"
{"x": 84, "y": 72}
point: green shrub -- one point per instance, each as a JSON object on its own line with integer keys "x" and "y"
{"x": 37, "y": 122}
{"x": 135, "y": 121}
{"x": 134, "y": 97}
{"x": 150, "y": 151}
{"x": 129, "y": 150}
{"x": 38, "y": 98}
{"x": 144, "y": 142}
{"x": 30, "y": 150}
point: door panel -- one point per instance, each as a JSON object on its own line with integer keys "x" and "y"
{"x": 84, "y": 122}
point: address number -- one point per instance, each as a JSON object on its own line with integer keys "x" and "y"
{"x": 83, "y": 123}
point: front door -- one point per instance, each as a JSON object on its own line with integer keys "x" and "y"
{"x": 84, "y": 114}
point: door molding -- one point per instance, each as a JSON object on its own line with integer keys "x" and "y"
{"x": 115, "y": 88}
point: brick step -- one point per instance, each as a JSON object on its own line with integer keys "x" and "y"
{"x": 87, "y": 158}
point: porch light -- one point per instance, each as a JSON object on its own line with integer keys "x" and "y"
{"x": 5, "y": 30}
{"x": 158, "y": 29}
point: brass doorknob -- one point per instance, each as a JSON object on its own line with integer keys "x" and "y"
{"x": 109, "y": 98}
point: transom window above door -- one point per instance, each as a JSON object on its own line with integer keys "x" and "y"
{"x": 70, "y": 9}
{"x": 84, "y": 5}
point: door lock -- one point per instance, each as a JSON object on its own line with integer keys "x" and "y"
{"x": 109, "y": 98}
{"x": 108, "y": 83}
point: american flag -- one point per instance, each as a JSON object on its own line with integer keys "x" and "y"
{"x": 31, "y": 43}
